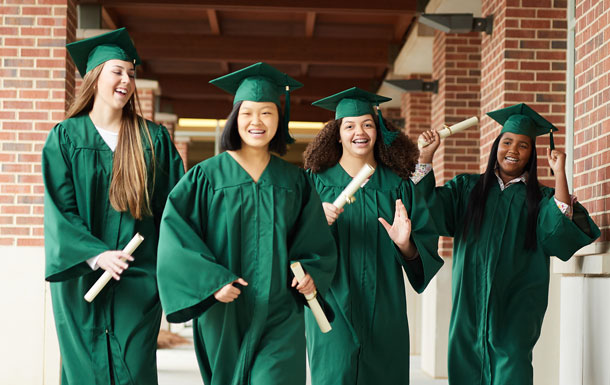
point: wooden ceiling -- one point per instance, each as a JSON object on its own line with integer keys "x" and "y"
{"x": 328, "y": 45}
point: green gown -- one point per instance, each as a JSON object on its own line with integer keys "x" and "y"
{"x": 500, "y": 289}
{"x": 80, "y": 223}
{"x": 219, "y": 225}
{"x": 369, "y": 343}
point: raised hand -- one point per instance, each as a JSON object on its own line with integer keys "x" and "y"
{"x": 228, "y": 293}
{"x": 557, "y": 161}
{"x": 400, "y": 230}
{"x": 427, "y": 153}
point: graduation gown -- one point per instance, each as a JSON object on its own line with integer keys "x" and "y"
{"x": 369, "y": 342}
{"x": 499, "y": 288}
{"x": 219, "y": 225}
{"x": 80, "y": 223}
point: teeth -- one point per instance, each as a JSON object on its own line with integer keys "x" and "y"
{"x": 256, "y": 132}
{"x": 361, "y": 141}
{"x": 124, "y": 92}
{"x": 515, "y": 160}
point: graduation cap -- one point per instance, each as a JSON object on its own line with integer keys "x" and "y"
{"x": 522, "y": 119}
{"x": 260, "y": 82}
{"x": 357, "y": 102}
{"x": 89, "y": 53}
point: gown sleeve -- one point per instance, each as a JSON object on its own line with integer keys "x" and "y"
{"x": 68, "y": 240}
{"x": 188, "y": 273}
{"x": 423, "y": 234}
{"x": 441, "y": 204}
{"x": 169, "y": 170}
{"x": 311, "y": 242}
{"x": 561, "y": 236}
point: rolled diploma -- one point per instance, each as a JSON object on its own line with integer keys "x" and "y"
{"x": 448, "y": 131}
{"x": 314, "y": 305}
{"x": 346, "y": 195}
{"x": 107, "y": 276}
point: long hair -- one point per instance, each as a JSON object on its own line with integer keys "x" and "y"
{"x": 230, "y": 139}
{"x": 129, "y": 189}
{"x": 325, "y": 150}
{"x": 475, "y": 210}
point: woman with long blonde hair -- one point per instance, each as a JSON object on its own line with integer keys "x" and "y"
{"x": 107, "y": 174}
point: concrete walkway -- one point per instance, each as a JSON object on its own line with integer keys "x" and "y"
{"x": 178, "y": 366}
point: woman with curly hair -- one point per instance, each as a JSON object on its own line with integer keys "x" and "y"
{"x": 369, "y": 342}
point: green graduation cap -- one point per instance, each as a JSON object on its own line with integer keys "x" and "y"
{"x": 89, "y": 53}
{"x": 357, "y": 102}
{"x": 260, "y": 82}
{"x": 522, "y": 119}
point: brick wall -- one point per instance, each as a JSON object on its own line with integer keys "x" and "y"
{"x": 524, "y": 60}
{"x": 456, "y": 66}
{"x": 416, "y": 108}
{"x": 147, "y": 102}
{"x": 591, "y": 112}
{"x": 33, "y": 96}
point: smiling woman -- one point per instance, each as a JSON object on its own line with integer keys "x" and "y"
{"x": 369, "y": 342}
{"x": 239, "y": 220}
{"x": 506, "y": 226}
{"x": 107, "y": 175}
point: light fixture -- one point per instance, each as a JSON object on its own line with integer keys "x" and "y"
{"x": 414, "y": 85}
{"x": 457, "y": 22}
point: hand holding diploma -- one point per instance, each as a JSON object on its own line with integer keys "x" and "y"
{"x": 113, "y": 267}
{"x": 448, "y": 131}
{"x": 308, "y": 288}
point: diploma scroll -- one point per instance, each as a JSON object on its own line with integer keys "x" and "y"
{"x": 347, "y": 195}
{"x": 448, "y": 131}
{"x": 107, "y": 276}
{"x": 314, "y": 305}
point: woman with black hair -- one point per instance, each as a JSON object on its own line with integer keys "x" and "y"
{"x": 505, "y": 226}
{"x": 369, "y": 342}
{"x": 230, "y": 230}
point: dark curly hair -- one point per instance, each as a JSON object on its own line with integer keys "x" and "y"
{"x": 326, "y": 150}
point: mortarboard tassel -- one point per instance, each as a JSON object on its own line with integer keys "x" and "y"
{"x": 388, "y": 136}
{"x": 289, "y": 139}
{"x": 552, "y": 141}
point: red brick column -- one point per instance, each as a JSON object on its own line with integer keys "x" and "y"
{"x": 37, "y": 82}
{"x": 456, "y": 64}
{"x": 147, "y": 102}
{"x": 592, "y": 113}
{"x": 182, "y": 146}
{"x": 524, "y": 60}
{"x": 416, "y": 109}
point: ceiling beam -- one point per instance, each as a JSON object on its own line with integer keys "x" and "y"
{"x": 310, "y": 24}
{"x": 401, "y": 26}
{"x": 109, "y": 18}
{"x": 272, "y": 49}
{"x": 198, "y": 86}
{"x": 335, "y": 6}
{"x": 213, "y": 20}
{"x": 212, "y": 109}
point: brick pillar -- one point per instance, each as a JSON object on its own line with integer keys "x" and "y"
{"x": 456, "y": 67}
{"x": 36, "y": 83}
{"x": 456, "y": 64}
{"x": 146, "y": 95}
{"x": 182, "y": 145}
{"x": 416, "y": 109}
{"x": 586, "y": 277}
{"x": 524, "y": 60}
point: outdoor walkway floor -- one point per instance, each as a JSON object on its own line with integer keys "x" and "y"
{"x": 178, "y": 366}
